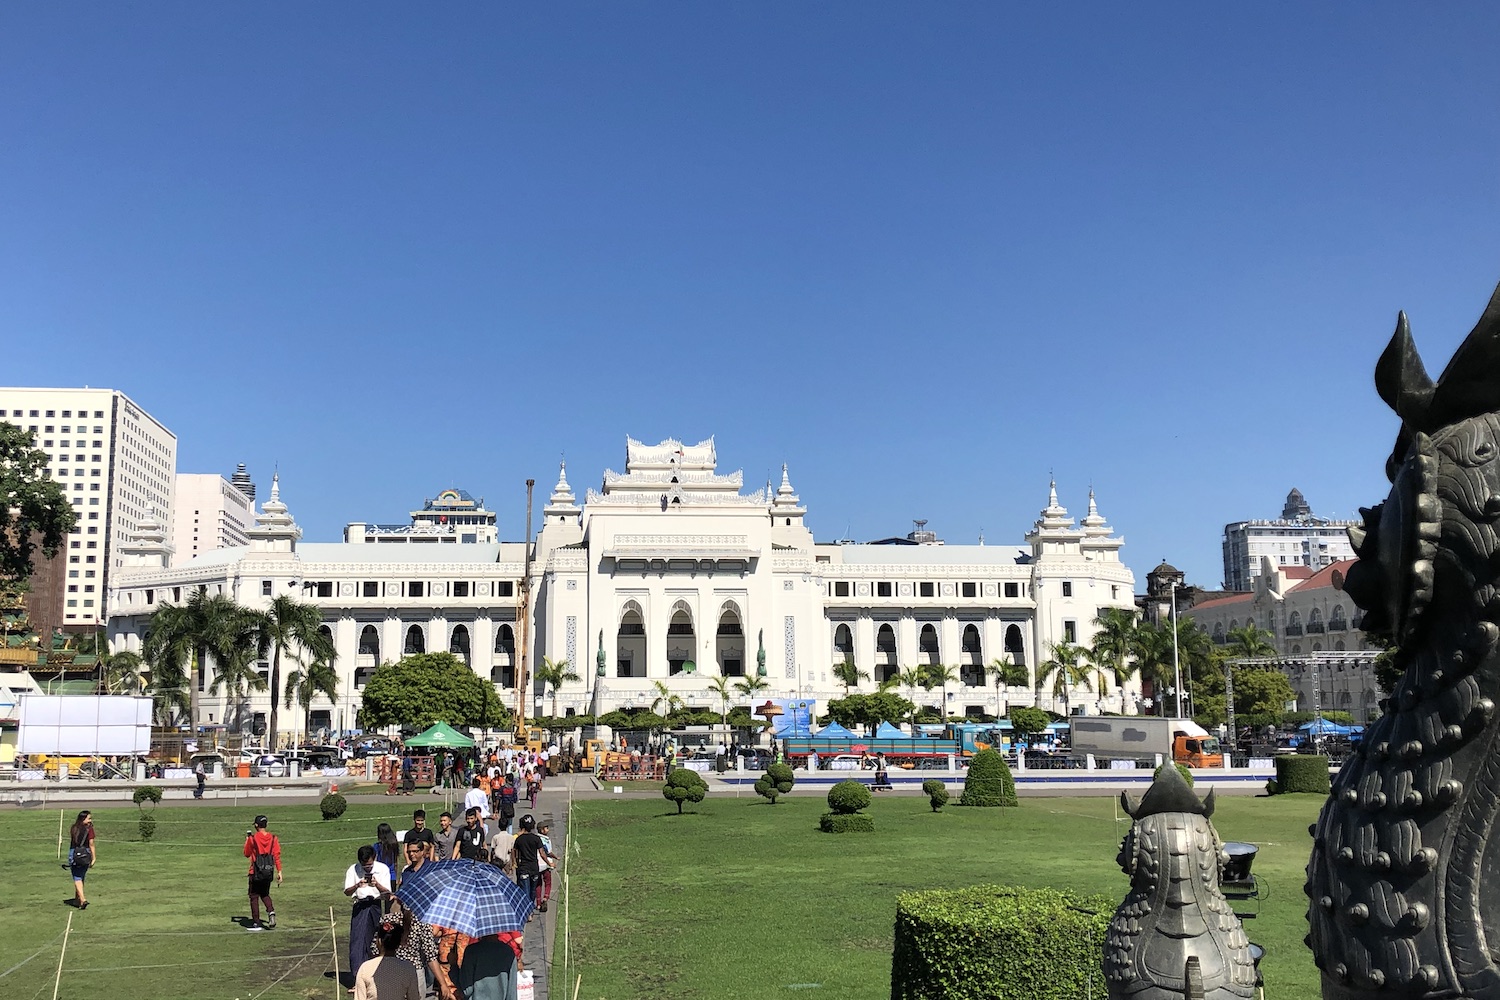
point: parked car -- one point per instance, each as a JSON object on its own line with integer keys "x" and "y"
{"x": 268, "y": 766}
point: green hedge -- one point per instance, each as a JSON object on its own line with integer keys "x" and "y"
{"x": 848, "y": 796}
{"x": 847, "y": 823}
{"x": 988, "y": 782}
{"x": 998, "y": 943}
{"x": 936, "y": 792}
{"x": 1302, "y": 772}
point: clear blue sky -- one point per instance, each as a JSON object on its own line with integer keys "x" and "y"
{"x": 925, "y": 254}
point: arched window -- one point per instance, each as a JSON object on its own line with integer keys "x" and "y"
{"x": 1219, "y": 633}
{"x": 927, "y": 645}
{"x": 369, "y": 641}
{"x": 458, "y": 643}
{"x": 729, "y": 641}
{"x": 843, "y": 643}
{"x": 1315, "y": 620}
{"x": 971, "y": 660}
{"x": 503, "y": 660}
{"x": 416, "y": 641}
{"x": 681, "y": 640}
{"x": 327, "y": 633}
{"x": 1234, "y": 623}
{"x": 630, "y": 657}
{"x": 1015, "y": 648}
{"x": 885, "y": 654}
{"x": 1337, "y": 621}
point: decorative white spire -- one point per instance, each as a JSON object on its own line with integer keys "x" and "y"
{"x": 275, "y": 530}
{"x": 562, "y": 501}
{"x": 1094, "y": 524}
{"x": 785, "y": 495}
{"x": 148, "y": 545}
{"x": 1054, "y": 515}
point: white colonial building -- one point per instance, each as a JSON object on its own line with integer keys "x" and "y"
{"x": 676, "y": 575}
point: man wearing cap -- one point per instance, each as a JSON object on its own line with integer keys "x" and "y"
{"x": 263, "y": 848}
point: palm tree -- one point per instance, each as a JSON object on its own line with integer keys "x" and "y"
{"x": 665, "y": 694}
{"x": 305, "y": 685}
{"x": 1114, "y": 641}
{"x": 1007, "y": 675}
{"x": 1067, "y": 668}
{"x": 554, "y": 674}
{"x": 1250, "y": 642}
{"x": 911, "y": 679}
{"x": 122, "y": 671}
{"x": 749, "y": 687}
{"x": 289, "y": 627}
{"x": 941, "y": 674}
{"x": 720, "y": 686}
{"x": 189, "y": 632}
{"x": 236, "y": 651}
{"x": 169, "y": 691}
{"x": 1153, "y": 658}
{"x": 849, "y": 675}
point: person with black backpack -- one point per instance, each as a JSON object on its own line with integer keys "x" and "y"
{"x": 81, "y": 856}
{"x": 263, "y": 848}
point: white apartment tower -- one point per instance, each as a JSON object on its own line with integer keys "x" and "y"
{"x": 117, "y": 464}
{"x": 210, "y": 512}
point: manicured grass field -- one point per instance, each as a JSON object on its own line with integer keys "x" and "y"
{"x": 747, "y": 900}
{"x": 161, "y": 916}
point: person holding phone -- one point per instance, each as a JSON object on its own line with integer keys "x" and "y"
{"x": 367, "y": 883}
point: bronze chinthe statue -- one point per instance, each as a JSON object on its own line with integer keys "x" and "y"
{"x": 1403, "y": 885}
{"x": 1174, "y": 936}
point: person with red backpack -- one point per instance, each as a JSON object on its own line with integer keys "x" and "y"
{"x": 263, "y": 848}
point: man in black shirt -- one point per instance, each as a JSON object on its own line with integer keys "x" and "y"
{"x": 420, "y": 834}
{"x": 524, "y": 854}
{"x": 470, "y": 843}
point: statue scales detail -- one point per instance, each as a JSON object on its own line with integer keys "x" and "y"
{"x": 1404, "y": 889}
{"x": 1174, "y": 936}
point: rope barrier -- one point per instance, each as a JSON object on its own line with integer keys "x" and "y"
{"x": 34, "y": 954}
{"x": 210, "y": 961}
{"x": 288, "y": 972}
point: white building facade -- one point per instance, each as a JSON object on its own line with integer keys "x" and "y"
{"x": 677, "y": 575}
{"x": 1297, "y": 538}
{"x": 118, "y": 465}
{"x": 209, "y": 512}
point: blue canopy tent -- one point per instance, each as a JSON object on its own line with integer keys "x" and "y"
{"x": 1322, "y": 727}
{"x": 834, "y": 731}
{"x": 886, "y": 731}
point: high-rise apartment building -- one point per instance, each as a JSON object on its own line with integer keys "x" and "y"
{"x": 210, "y": 512}
{"x": 117, "y": 464}
{"x": 1297, "y": 538}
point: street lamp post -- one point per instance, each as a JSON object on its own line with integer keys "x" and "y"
{"x": 1176, "y": 662}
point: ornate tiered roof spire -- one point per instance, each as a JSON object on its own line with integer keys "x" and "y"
{"x": 275, "y": 529}
{"x": 785, "y": 495}
{"x": 1054, "y": 515}
{"x": 1094, "y": 523}
{"x": 562, "y": 499}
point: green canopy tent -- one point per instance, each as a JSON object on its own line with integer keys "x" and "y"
{"x": 442, "y": 736}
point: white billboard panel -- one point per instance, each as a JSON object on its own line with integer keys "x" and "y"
{"x": 84, "y": 724}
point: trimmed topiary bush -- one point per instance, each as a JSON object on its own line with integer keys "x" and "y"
{"x": 333, "y": 805}
{"x": 146, "y": 793}
{"x": 848, "y": 797}
{"x": 847, "y": 823}
{"x": 1301, "y": 772}
{"x": 778, "y": 780}
{"x": 988, "y": 782}
{"x": 682, "y": 786}
{"x": 998, "y": 943}
{"x": 1182, "y": 769}
{"x": 936, "y": 792}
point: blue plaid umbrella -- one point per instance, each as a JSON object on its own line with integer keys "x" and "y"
{"x": 470, "y": 897}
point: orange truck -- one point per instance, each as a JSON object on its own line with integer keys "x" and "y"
{"x": 1144, "y": 737}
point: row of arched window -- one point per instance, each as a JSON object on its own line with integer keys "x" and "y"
{"x": 971, "y": 650}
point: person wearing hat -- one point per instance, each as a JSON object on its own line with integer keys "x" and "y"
{"x": 263, "y": 848}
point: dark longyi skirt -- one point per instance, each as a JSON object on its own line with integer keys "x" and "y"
{"x": 363, "y": 923}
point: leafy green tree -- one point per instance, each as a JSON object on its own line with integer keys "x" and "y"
{"x": 291, "y": 628}
{"x": 554, "y": 674}
{"x": 1387, "y": 670}
{"x": 911, "y": 679}
{"x": 303, "y": 685}
{"x": 1261, "y": 692}
{"x": 33, "y": 507}
{"x": 1114, "y": 641}
{"x": 236, "y": 647}
{"x": 684, "y": 786}
{"x": 1007, "y": 675}
{"x": 420, "y": 690}
{"x": 885, "y": 706}
{"x": 122, "y": 671}
{"x": 168, "y": 689}
{"x": 848, "y": 674}
{"x": 1250, "y": 642}
{"x": 665, "y": 696}
{"x": 1027, "y": 723}
{"x": 941, "y": 675}
{"x": 778, "y": 780}
{"x": 1067, "y": 669}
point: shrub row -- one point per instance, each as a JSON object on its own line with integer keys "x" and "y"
{"x": 1301, "y": 772}
{"x": 998, "y": 943}
{"x": 834, "y": 822}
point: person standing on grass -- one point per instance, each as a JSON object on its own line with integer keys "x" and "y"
{"x": 526, "y": 854}
{"x": 367, "y": 882}
{"x": 444, "y": 837}
{"x": 81, "y": 855}
{"x": 263, "y": 848}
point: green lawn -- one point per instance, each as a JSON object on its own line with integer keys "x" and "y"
{"x": 160, "y": 922}
{"x": 743, "y": 899}
{"x": 735, "y": 899}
